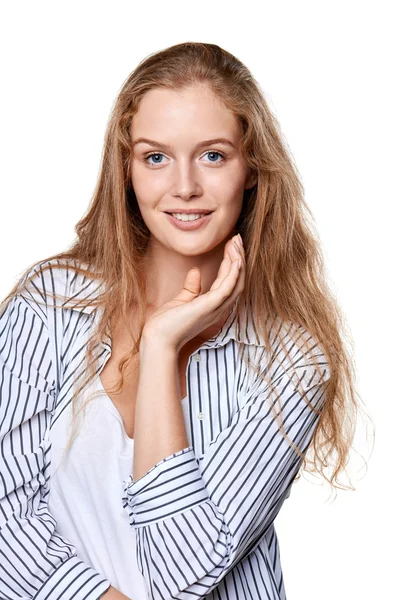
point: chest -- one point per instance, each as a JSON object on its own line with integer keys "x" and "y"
{"x": 125, "y": 399}
{"x": 216, "y": 387}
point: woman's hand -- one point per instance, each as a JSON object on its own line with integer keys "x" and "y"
{"x": 178, "y": 321}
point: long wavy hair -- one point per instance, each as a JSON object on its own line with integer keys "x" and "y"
{"x": 285, "y": 273}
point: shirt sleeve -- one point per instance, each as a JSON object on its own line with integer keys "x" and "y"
{"x": 35, "y": 560}
{"x": 196, "y": 518}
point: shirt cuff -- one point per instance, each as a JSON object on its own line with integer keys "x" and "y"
{"x": 73, "y": 579}
{"x": 173, "y": 485}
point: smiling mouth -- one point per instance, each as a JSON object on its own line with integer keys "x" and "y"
{"x": 180, "y": 212}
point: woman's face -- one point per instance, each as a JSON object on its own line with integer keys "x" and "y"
{"x": 178, "y": 170}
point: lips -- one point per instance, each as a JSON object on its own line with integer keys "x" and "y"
{"x": 189, "y": 212}
{"x": 189, "y": 224}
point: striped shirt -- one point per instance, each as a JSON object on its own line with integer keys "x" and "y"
{"x": 203, "y": 517}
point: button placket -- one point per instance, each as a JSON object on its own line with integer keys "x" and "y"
{"x": 200, "y": 415}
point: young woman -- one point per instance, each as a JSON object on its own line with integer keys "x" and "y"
{"x": 190, "y": 332}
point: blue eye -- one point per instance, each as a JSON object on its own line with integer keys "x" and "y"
{"x": 215, "y": 153}
{"x": 158, "y": 154}
{"x": 153, "y": 154}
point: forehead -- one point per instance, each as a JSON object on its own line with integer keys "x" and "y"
{"x": 193, "y": 110}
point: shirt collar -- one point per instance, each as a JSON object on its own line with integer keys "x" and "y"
{"x": 238, "y": 326}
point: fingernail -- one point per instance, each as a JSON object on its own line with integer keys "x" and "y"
{"x": 240, "y": 238}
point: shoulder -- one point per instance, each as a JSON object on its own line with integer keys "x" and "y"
{"x": 59, "y": 283}
{"x": 305, "y": 354}
{"x": 292, "y": 350}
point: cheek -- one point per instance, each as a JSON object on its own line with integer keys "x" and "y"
{"x": 230, "y": 194}
{"x": 145, "y": 187}
{"x": 231, "y": 203}
{"x": 149, "y": 189}
{"x": 138, "y": 177}
{"x": 229, "y": 179}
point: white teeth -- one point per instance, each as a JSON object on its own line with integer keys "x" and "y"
{"x": 187, "y": 217}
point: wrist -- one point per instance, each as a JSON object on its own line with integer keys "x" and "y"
{"x": 154, "y": 343}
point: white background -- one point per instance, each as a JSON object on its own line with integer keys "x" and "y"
{"x": 329, "y": 71}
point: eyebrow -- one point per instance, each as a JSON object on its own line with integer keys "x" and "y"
{"x": 220, "y": 140}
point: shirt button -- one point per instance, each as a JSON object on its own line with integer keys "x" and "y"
{"x": 201, "y": 416}
{"x": 197, "y": 357}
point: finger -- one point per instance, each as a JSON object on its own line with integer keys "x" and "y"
{"x": 191, "y": 286}
{"x": 229, "y": 275}
{"x": 240, "y": 253}
{"x": 225, "y": 266}
{"x": 239, "y": 248}
{"x": 236, "y": 289}
{"x": 236, "y": 275}
{"x": 226, "y": 261}
{"x": 225, "y": 294}
{"x": 234, "y": 253}
{"x": 225, "y": 291}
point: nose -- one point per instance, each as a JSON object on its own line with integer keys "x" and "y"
{"x": 186, "y": 180}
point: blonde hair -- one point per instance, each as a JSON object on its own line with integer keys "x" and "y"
{"x": 285, "y": 273}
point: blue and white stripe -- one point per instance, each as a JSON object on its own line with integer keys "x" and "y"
{"x": 204, "y": 516}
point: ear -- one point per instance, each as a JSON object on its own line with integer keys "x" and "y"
{"x": 251, "y": 179}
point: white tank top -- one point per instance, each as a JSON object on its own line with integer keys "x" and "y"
{"x": 86, "y": 491}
